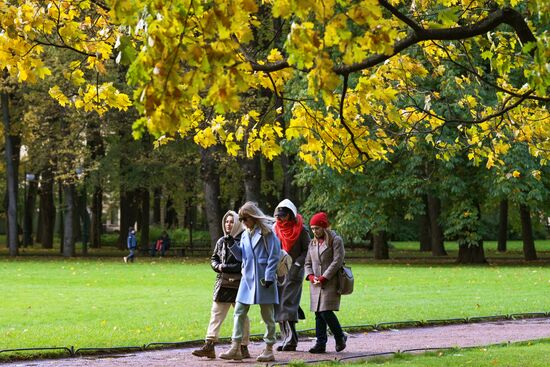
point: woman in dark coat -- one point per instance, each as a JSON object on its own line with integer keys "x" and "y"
{"x": 324, "y": 259}
{"x": 294, "y": 238}
{"x": 224, "y": 262}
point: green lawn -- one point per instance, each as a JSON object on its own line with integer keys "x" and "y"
{"x": 525, "y": 354}
{"x": 513, "y": 247}
{"x": 104, "y": 302}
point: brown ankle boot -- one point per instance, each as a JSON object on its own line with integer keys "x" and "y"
{"x": 244, "y": 351}
{"x": 207, "y": 350}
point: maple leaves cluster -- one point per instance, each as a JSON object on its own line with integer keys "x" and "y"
{"x": 29, "y": 28}
{"x": 195, "y": 66}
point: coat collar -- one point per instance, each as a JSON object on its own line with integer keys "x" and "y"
{"x": 326, "y": 243}
{"x": 323, "y": 247}
{"x": 320, "y": 247}
{"x": 255, "y": 237}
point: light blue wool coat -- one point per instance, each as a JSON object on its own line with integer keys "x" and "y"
{"x": 259, "y": 261}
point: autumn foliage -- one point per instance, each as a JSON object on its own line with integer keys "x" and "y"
{"x": 359, "y": 79}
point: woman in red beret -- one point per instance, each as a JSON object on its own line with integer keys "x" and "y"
{"x": 324, "y": 258}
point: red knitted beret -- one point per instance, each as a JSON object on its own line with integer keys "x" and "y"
{"x": 320, "y": 219}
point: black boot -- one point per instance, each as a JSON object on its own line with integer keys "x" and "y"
{"x": 318, "y": 348}
{"x": 289, "y": 336}
{"x": 283, "y": 326}
{"x": 341, "y": 343}
{"x": 292, "y": 342}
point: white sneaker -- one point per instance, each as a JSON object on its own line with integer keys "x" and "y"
{"x": 125, "y": 259}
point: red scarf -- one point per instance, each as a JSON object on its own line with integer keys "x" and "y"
{"x": 289, "y": 231}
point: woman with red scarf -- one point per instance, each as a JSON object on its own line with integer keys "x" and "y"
{"x": 295, "y": 239}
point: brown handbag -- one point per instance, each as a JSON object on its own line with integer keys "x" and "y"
{"x": 230, "y": 280}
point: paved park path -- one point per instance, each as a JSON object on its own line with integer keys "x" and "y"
{"x": 463, "y": 335}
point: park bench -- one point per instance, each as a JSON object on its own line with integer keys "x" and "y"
{"x": 197, "y": 249}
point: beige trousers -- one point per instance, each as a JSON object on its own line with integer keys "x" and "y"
{"x": 218, "y": 313}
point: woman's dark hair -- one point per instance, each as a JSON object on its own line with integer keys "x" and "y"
{"x": 283, "y": 211}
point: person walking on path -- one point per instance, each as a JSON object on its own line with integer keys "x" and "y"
{"x": 259, "y": 251}
{"x": 324, "y": 259}
{"x": 131, "y": 243}
{"x": 228, "y": 270}
{"x": 295, "y": 239}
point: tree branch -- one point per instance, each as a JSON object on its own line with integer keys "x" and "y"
{"x": 485, "y": 80}
{"x": 499, "y": 113}
{"x": 408, "y": 21}
{"x": 343, "y": 121}
{"x": 493, "y": 20}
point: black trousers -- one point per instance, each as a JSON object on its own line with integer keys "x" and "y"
{"x": 324, "y": 319}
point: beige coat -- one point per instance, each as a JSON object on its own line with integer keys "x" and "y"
{"x": 325, "y": 260}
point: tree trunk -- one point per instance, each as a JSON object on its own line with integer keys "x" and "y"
{"x": 84, "y": 219}
{"x": 209, "y": 173}
{"x": 47, "y": 208}
{"x": 127, "y": 215}
{"x": 69, "y": 219}
{"x": 28, "y": 214}
{"x": 471, "y": 254}
{"x": 503, "y": 226}
{"x": 97, "y": 214}
{"x": 271, "y": 195}
{"x": 381, "y": 250}
{"x": 157, "y": 195}
{"x": 434, "y": 209}
{"x": 252, "y": 173}
{"x": 61, "y": 216}
{"x": 468, "y": 252}
{"x": 369, "y": 239}
{"x": 424, "y": 232}
{"x": 77, "y": 223}
{"x": 290, "y": 190}
{"x": 12, "y": 156}
{"x": 144, "y": 228}
{"x": 529, "y": 250}
{"x": 171, "y": 217}
{"x": 97, "y": 148}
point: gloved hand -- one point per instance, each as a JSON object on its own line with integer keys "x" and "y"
{"x": 311, "y": 278}
{"x": 266, "y": 283}
{"x": 322, "y": 280}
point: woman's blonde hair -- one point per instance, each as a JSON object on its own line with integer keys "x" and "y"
{"x": 251, "y": 209}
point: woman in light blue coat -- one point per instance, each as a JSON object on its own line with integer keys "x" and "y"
{"x": 259, "y": 251}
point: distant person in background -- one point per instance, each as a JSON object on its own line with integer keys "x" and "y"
{"x": 228, "y": 268}
{"x": 259, "y": 251}
{"x": 163, "y": 244}
{"x": 131, "y": 243}
{"x": 295, "y": 239}
{"x": 324, "y": 259}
